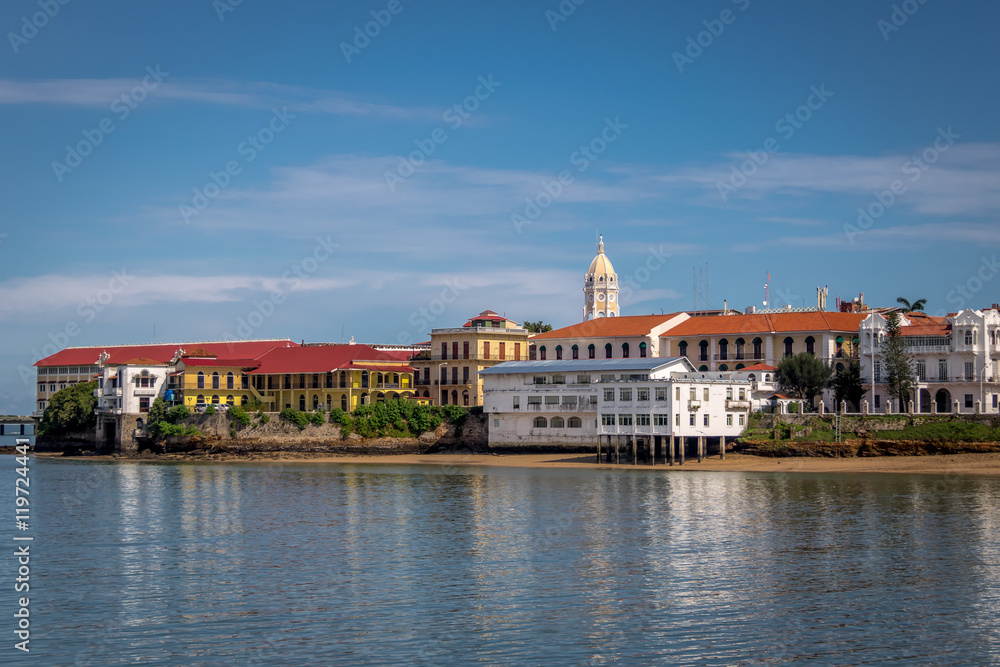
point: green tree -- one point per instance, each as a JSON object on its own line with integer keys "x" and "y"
{"x": 898, "y": 365}
{"x": 537, "y": 327}
{"x": 847, "y": 385}
{"x": 70, "y": 410}
{"x": 157, "y": 414}
{"x": 908, "y": 307}
{"x": 803, "y": 375}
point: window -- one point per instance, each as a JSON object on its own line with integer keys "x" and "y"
{"x": 703, "y": 354}
{"x": 921, "y": 370}
{"x": 230, "y": 380}
{"x": 624, "y": 350}
{"x": 661, "y": 420}
{"x": 607, "y": 351}
{"x": 723, "y": 349}
{"x": 677, "y": 419}
{"x": 625, "y": 420}
{"x": 758, "y": 345}
{"x": 810, "y": 345}
{"x": 642, "y": 420}
{"x": 706, "y": 419}
{"x": 576, "y": 351}
{"x": 661, "y": 393}
{"x": 569, "y": 400}
{"x": 878, "y": 370}
{"x": 517, "y": 351}
{"x": 486, "y": 350}
{"x": 591, "y": 351}
{"x": 558, "y": 352}
{"x": 704, "y": 393}
{"x": 677, "y": 393}
{"x": 642, "y": 394}
{"x": 144, "y": 404}
{"x": 607, "y": 377}
{"x": 215, "y": 380}
{"x": 682, "y": 348}
{"x": 729, "y": 393}
{"x": 625, "y": 394}
{"x": 541, "y": 353}
{"x": 878, "y": 401}
{"x": 465, "y": 349}
{"x": 968, "y": 338}
{"x": 729, "y": 420}
{"x": 215, "y": 399}
{"x": 245, "y": 380}
{"x": 454, "y": 374}
{"x": 503, "y": 355}
{"x": 465, "y": 375}
{"x": 788, "y": 347}
{"x": 557, "y": 422}
{"x": 691, "y": 419}
{"x": 534, "y": 400}
{"x": 444, "y": 350}
{"x": 539, "y": 379}
{"x": 583, "y": 379}
{"x": 607, "y": 420}
{"x": 496, "y": 422}
{"x": 743, "y": 394}
{"x": 201, "y": 398}
{"x": 642, "y": 350}
{"x": 558, "y": 379}
{"x": 231, "y": 401}
{"x": 517, "y": 402}
{"x": 693, "y": 394}
{"x": 551, "y": 400}
{"x": 943, "y": 369}
{"x": 574, "y": 422}
{"x": 541, "y": 422}
{"x": 609, "y": 395}
{"x": 742, "y": 418}
{"x": 968, "y": 400}
{"x": 970, "y": 370}
{"x": 201, "y": 380}
{"x": 994, "y": 401}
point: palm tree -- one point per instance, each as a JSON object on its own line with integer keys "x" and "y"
{"x": 908, "y": 307}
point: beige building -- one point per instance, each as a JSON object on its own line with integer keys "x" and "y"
{"x": 600, "y": 287}
{"x": 449, "y": 373}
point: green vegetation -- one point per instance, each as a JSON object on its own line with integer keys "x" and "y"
{"x": 803, "y": 375}
{"x": 908, "y": 307}
{"x": 70, "y": 410}
{"x": 210, "y": 409}
{"x": 847, "y": 386}
{"x": 162, "y": 421}
{"x": 293, "y": 416}
{"x": 177, "y": 413}
{"x": 537, "y": 327}
{"x": 945, "y": 432}
{"x": 238, "y": 414}
{"x": 898, "y": 365}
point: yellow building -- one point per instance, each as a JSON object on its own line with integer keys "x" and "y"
{"x": 449, "y": 373}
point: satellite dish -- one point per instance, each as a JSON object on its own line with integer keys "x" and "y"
{"x": 765, "y": 303}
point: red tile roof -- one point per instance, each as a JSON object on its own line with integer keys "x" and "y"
{"x": 767, "y": 323}
{"x": 238, "y": 363}
{"x": 163, "y": 352}
{"x": 325, "y": 358}
{"x": 925, "y": 325}
{"x": 759, "y": 367}
{"x": 608, "y": 327}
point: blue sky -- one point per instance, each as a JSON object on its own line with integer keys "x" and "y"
{"x": 310, "y": 230}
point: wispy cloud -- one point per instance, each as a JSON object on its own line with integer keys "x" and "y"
{"x": 900, "y": 237}
{"x": 101, "y": 93}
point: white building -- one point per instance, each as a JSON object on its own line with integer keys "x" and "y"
{"x": 568, "y": 404}
{"x": 956, "y": 361}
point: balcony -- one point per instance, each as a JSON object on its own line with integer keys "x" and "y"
{"x": 694, "y": 405}
{"x": 737, "y": 405}
{"x": 144, "y": 391}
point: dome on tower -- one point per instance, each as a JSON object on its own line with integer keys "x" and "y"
{"x": 601, "y": 266}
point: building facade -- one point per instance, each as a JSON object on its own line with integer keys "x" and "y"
{"x": 956, "y": 361}
{"x": 629, "y": 337}
{"x": 449, "y": 372}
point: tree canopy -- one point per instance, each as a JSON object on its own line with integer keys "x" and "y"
{"x": 908, "y": 307}
{"x": 70, "y": 410}
{"x": 537, "y": 327}
{"x": 898, "y": 366}
{"x": 847, "y": 385}
{"x": 803, "y": 375}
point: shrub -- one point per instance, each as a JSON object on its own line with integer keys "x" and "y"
{"x": 70, "y": 410}
{"x": 210, "y": 409}
{"x": 293, "y": 416}
{"x": 238, "y": 414}
{"x": 177, "y": 413}
{"x": 317, "y": 418}
{"x": 264, "y": 417}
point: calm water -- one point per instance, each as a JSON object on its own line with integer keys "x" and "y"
{"x": 352, "y": 564}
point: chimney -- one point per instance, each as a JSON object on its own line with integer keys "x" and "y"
{"x": 750, "y": 310}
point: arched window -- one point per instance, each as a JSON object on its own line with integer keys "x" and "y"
{"x": 230, "y": 380}
{"x": 993, "y": 337}
{"x": 723, "y": 349}
{"x": 810, "y": 345}
{"x": 343, "y": 402}
{"x": 201, "y": 382}
{"x": 329, "y": 402}
{"x": 740, "y": 367}
{"x": 703, "y": 347}
{"x": 740, "y": 348}
{"x": 315, "y": 402}
{"x": 343, "y": 379}
{"x": 758, "y": 348}
{"x": 201, "y": 398}
{"x": 540, "y": 422}
{"x": 767, "y": 377}
{"x": 395, "y": 379}
{"x": 215, "y": 380}
{"x": 591, "y": 351}
{"x": 465, "y": 398}
{"x": 968, "y": 338}
{"x": 243, "y": 399}
{"x": 378, "y": 380}
{"x": 558, "y": 351}
{"x": 364, "y": 379}
{"x": 607, "y": 351}
{"x": 642, "y": 350}
{"x": 380, "y": 397}
{"x": 557, "y": 422}
{"x": 624, "y": 350}
{"x": 541, "y": 353}
{"x": 724, "y": 367}
{"x": 575, "y": 422}
{"x": 752, "y": 377}
{"x": 576, "y": 351}
{"x": 682, "y": 348}
{"x": 215, "y": 399}
{"x": 788, "y": 347}
{"x": 230, "y": 400}
{"x": 703, "y": 368}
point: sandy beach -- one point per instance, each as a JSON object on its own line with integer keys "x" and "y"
{"x": 965, "y": 464}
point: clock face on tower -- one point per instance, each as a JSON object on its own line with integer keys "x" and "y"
{"x": 592, "y": 298}
{"x": 611, "y": 297}
{"x": 600, "y": 297}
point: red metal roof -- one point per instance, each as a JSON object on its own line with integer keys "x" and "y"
{"x": 324, "y": 358}
{"x": 163, "y": 352}
{"x": 767, "y": 323}
{"x": 240, "y": 363}
{"x": 607, "y": 327}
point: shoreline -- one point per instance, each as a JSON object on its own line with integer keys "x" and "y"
{"x": 980, "y": 464}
